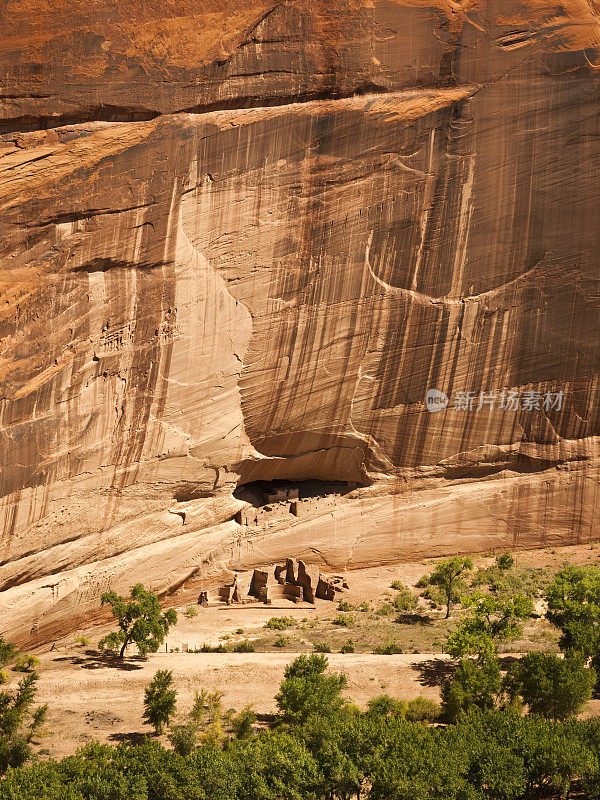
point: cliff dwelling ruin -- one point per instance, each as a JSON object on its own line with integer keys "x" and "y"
{"x": 270, "y": 501}
{"x": 293, "y": 580}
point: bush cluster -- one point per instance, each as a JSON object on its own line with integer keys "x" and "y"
{"x": 496, "y": 755}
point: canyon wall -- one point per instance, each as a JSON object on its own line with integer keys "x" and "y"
{"x": 242, "y": 245}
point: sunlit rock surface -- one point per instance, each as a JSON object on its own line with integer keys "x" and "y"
{"x": 241, "y": 245}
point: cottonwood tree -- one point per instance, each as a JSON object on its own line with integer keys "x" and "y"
{"x": 490, "y": 621}
{"x": 19, "y": 723}
{"x": 477, "y": 682}
{"x": 160, "y": 700}
{"x": 306, "y": 689}
{"x": 448, "y": 575}
{"x": 140, "y": 619}
{"x": 553, "y": 687}
{"x": 573, "y": 600}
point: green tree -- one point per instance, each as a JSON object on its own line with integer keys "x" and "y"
{"x": 140, "y": 621}
{"x": 8, "y": 652}
{"x": 207, "y": 715}
{"x": 275, "y": 766}
{"x": 475, "y": 684}
{"x": 410, "y": 762}
{"x": 327, "y": 740}
{"x": 552, "y": 687}
{"x": 448, "y": 575}
{"x": 160, "y": 700}
{"x": 490, "y": 621}
{"x": 19, "y": 723}
{"x": 26, "y": 663}
{"x": 306, "y": 689}
{"x": 573, "y": 600}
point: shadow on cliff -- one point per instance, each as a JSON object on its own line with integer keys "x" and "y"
{"x": 97, "y": 659}
{"x": 434, "y": 672}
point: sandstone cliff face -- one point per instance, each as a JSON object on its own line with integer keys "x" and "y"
{"x": 241, "y": 245}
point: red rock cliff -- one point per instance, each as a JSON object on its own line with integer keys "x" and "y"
{"x": 241, "y": 245}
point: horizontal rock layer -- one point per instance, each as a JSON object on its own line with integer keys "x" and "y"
{"x": 241, "y": 246}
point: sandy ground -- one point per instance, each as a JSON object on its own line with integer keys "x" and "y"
{"x": 94, "y": 700}
{"x": 94, "y": 696}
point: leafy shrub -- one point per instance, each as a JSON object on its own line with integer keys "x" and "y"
{"x": 82, "y": 641}
{"x": 343, "y": 605}
{"x": 280, "y": 623}
{"x": 218, "y": 648}
{"x": 184, "y": 738}
{"x": 344, "y": 620}
{"x": 191, "y": 612}
{"x": 25, "y": 663}
{"x": 322, "y": 647}
{"x": 434, "y": 596}
{"x": 385, "y": 610}
{"x": 386, "y": 706}
{"x": 422, "y": 709}
{"x": 198, "y": 710}
{"x": 503, "y": 577}
{"x": 364, "y": 607}
{"x": 347, "y": 647}
{"x": 505, "y": 561}
{"x": 242, "y": 723}
{"x": 405, "y": 601}
{"x": 389, "y": 649}
{"x": 280, "y": 641}
{"x": 3, "y": 676}
{"x": 243, "y": 647}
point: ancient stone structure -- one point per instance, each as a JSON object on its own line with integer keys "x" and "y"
{"x": 247, "y": 516}
{"x": 242, "y": 242}
{"x": 294, "y": 580}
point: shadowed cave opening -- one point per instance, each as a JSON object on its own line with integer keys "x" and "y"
{"x": 271, "y": 498}
{"x": 261, "y": 493}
